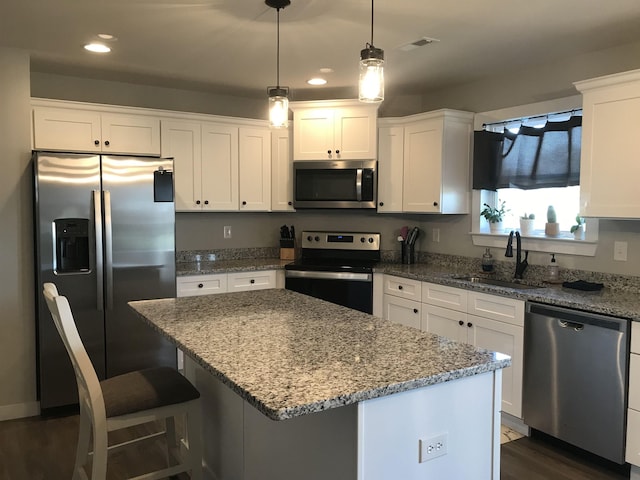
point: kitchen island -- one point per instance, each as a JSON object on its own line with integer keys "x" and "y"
{"x": 294, "y": 387}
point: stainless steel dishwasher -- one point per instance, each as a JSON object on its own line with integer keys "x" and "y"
{"x": 575, "y": 377}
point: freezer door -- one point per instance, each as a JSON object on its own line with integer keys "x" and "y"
{"x": 67, "y": 200}
{"x": 139, "y": 260}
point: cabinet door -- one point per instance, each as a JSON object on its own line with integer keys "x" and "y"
{"x": 355, "y": 133}
{"x": 444, "y": 322}
{"x": 508, "y": 339}
{"x": 219, "y": 173}
{"x": 258, "y": 280}
{"x": 66, "y": 129}
{"x": 281, "y": 172}
{"x": 402, "y": 311}
{"x": 130, "y": 134}
{"x": 422, "y": 166}
{"x": 610, "y": 116}
{"x": 313, "y": 134}
{"x": 254, "y": 169}
{"x": 182, "y": 140}
{"x": 390, "y": 159}
{"x": 193, "y": 285}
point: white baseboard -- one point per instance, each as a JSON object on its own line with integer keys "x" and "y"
{"x": 19, "y": 410}
{"x": 515, "y": 423}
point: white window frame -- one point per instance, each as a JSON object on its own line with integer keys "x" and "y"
{"x": 479, "y": 229}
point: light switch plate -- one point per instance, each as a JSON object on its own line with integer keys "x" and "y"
{"x": 620, "y": 251}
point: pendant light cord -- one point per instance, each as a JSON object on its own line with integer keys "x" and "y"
{"x": 278, "y": 49}
{"x": 371, "y": 44}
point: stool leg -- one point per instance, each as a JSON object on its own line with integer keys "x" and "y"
{"x": 82, "y": 451}
{"x": 170, "y": 438}
{"x": 100, "y": 451}
{"x": 194, "y": 439}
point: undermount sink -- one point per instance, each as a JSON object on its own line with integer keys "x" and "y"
{"x": 498, "y": 283}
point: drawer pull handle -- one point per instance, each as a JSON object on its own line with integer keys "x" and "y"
{"x": 415, "y": 310}
{"x": 399, "y": 287}
{"x": 200, "y": 285}
{"x": 252, "y": 281}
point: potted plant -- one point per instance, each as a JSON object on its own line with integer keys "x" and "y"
{"x": 552, "y": 227}
{"x": 494, "y": 215}
{"x": 526, "y": 223}
{"x": 578, "y": 228}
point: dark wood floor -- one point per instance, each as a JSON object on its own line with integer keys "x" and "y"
{"x": 44, "y": 449}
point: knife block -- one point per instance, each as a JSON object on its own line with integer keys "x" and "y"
{"x": 287, "y": 249}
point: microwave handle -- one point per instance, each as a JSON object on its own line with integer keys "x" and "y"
{"x": 359, "y": 184}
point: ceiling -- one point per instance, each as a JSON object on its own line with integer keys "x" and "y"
{"x": 229, "y": 46}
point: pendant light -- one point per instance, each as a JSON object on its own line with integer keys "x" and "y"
{"x": 371, "y": 84}
{"x": 278, "y": 96}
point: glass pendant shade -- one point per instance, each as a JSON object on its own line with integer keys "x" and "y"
{"x": 278, "y": 108}
{"x": 371, "y": 84}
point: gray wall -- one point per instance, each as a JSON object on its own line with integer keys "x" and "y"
{"x": 17, "y": 325}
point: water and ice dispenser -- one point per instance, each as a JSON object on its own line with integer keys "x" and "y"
{"x": 71, "y": 245}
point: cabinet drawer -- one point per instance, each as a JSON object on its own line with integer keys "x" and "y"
{"x": 635, "y": 337}
{"x": 497, "y": 308}
{"x": 634, "y": 382}
{"x": 633, "y": 437}
{"x": 403, "y": 287}
{"x": 251, "y": 280}
{"x": 443, "y": 296}
{"x": 201, "y": 285}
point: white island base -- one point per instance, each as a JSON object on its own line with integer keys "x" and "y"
{"x": 383, "y": 438}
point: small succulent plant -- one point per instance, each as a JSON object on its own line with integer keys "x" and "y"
{"x": 551, "y": 215}
{"x": 579, "y": 223}
{"x": 530, "y": 216}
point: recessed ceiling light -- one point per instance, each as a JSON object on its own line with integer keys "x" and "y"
{"x": 97, "y": 48}
{"x": 326, "y": 70}
{"x": 421, "y": 42}
{"x": 317, "y": 81}
{"x": 106, "y": 36}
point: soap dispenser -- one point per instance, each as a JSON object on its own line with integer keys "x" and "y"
{"x": 553, "y": 275}
{"x": 487, "y": 261}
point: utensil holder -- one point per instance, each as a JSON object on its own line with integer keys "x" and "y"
{"x": 287, "y": 249}
{"x": 408, "y": 254}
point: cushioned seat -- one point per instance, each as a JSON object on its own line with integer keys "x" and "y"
{"x": 135, "y": 398}
{"x": 145, "y": 389}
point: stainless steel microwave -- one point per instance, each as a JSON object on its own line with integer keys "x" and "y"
{"x": 335, "y": 184}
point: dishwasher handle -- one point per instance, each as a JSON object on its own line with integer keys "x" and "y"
{"x": 576, "y": 326}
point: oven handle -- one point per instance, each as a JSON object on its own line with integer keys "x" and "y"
{"x": 358, "y": 277}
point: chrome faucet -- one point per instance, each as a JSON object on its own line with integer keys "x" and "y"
{"x": 521, "y": 265}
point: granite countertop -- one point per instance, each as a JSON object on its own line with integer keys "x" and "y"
{"x": 615, "y": 302}
{"x": 289, "y": 354}
{"x": 228, "y": 266}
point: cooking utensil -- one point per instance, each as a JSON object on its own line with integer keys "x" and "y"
{"x": 404, "y": 231}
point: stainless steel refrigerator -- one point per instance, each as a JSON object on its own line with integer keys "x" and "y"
{"x": 105, "y": 235}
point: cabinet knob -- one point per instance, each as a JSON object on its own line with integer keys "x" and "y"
{"x": 106, "y": 143}
{"x": 435, "y": 204}
{"x": 382, "y": 204}
{"x": 289, "y": 203}
{"x": 200, "y": 285}
{"x": 206, "y": 202}
{"x": 337, "y": 152}
{"x": 96, "y": 142}
{"x": 469, "y": 324}
{"x": 252, "y": 281}
{"x": 197, "y": 202}
{"x": 244, "y": 203}
{"x": 309, "y": 238}
{"x": 399, "y": 287}
{"x": 415, "y": 310}
{"x": 329, "y": 152}
{"x": 461, "y": 323}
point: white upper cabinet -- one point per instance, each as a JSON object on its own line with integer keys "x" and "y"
{"x": 78, "y": 129}
{"x": 281, "y": 172}
{"x": 220, "y": 166}
{"x": 424, "y": 163}
{"x": 610, "y": 156}
{"x": 255, "y": 169}
{"x": 334, "y": 130}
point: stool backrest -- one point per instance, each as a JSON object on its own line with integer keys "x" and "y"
{"x": 89, "y": 390}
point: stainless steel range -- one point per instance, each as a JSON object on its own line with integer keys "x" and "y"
{"x": 337, "y": 267}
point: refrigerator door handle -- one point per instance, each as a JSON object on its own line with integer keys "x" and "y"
{"x": 97, "y": 221}
{"x": 108, "y": 247}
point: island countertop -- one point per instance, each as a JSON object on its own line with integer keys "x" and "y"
{"x": 289, "y": 354}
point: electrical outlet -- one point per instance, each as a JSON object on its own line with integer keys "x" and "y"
{"x": 435, "y": 235}
{"x": 620, "y": 251}
{"x": 227, "y": 231}
{"x": 433, "y": 447}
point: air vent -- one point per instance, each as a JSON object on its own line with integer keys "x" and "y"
{"x": 421, "y": 42}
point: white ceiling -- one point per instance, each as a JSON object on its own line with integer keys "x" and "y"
{"x": 228, "y": 46}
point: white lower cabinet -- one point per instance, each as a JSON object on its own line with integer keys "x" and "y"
{"x": 633, "y": 412}
{"x": 192, "y": 285}
{"x": 486, "y": 321}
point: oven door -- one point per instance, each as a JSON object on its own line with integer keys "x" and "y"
{"x": 353, "y": 290}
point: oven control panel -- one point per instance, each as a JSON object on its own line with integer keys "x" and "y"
{"x": 341, "y": 240}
